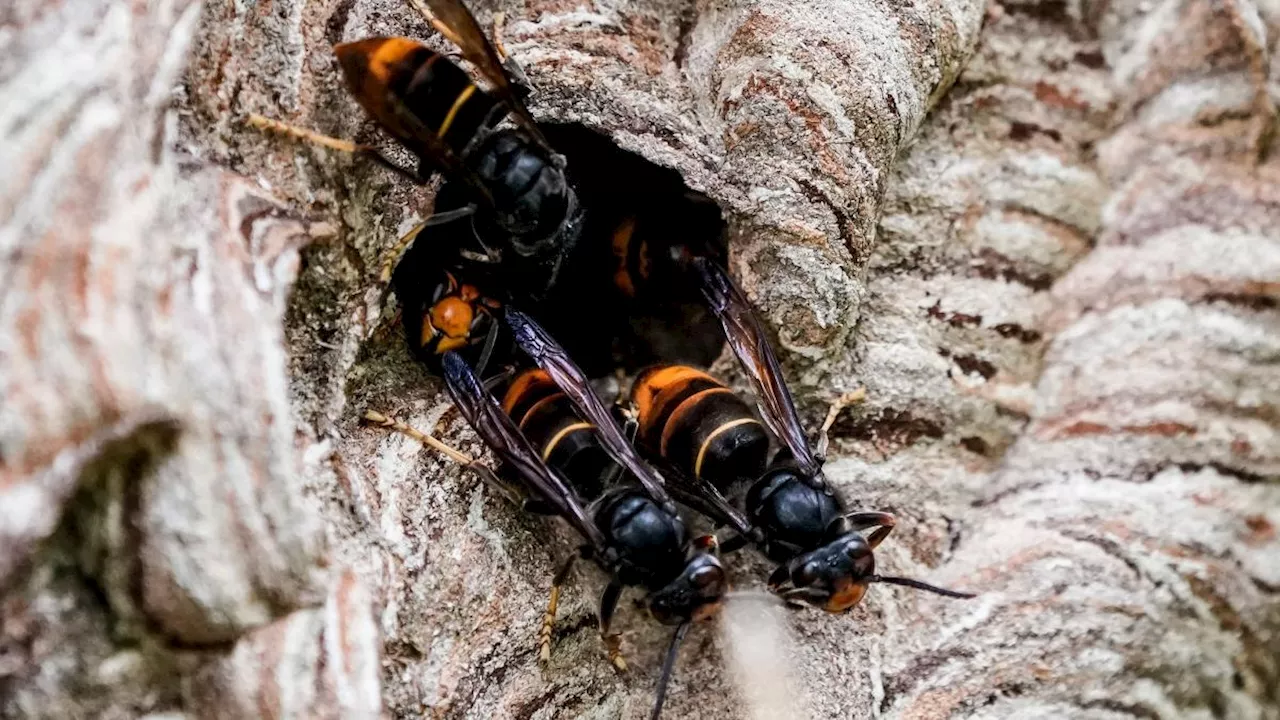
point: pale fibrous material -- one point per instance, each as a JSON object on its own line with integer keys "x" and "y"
{"x": 1041, "y": 235}
{"x": 759, "y": 653}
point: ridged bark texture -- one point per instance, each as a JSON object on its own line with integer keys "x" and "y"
{"x": 1042, "y": 234}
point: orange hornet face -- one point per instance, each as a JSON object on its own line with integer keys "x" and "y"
{"x": 833, "y": 578}
{"x": 846, "y": 595}
{"x": 450, "y": 318}
{"x": 452, "y": 321}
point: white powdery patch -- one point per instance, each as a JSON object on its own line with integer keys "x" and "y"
{"x": 759, "y": 652}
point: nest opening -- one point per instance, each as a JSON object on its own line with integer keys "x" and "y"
{"x": 606, "y": 314}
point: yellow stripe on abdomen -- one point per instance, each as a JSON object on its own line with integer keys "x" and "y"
{"x": 702, "y": 451}
{"x": 651, "y": 386}
{"x": 555, "y": 439}
{"x": 453, "y": 111}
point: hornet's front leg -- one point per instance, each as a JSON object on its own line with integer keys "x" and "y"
{"x": 881, "y": 521}
{"x": 612, "y": 643}
{"x": 833, "y": 412}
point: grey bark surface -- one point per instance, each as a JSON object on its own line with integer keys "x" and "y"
{"x": 1042, "y": 235}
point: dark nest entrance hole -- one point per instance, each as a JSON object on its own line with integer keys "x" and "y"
{"x": 591, "y": 312}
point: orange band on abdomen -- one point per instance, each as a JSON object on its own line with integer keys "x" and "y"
{"x": 684, "y": 407}
{"x": 529, "y": 413}
{"x": 653, "y": 383}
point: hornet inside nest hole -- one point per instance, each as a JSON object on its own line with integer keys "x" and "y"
{"x": 617, "y": 302}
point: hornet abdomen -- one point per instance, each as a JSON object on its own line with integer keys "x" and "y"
{"x": 546, "y": 417}
{"x": 692, "y": 421}
{"x": 410, "y": 89}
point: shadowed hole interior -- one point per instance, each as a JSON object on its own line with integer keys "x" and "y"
{"x": 603, "y": 325}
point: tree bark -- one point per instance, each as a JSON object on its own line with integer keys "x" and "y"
{"x": 1042, "y": 235}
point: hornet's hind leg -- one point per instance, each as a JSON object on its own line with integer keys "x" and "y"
{"x": 523, "y": 87}
{"x": 346, "y": 146}
{"x": 510, "y": 491}
{"x": 549, "y": 617}
{"x": 440, "y": 27}
{"x": 608, "y": 604}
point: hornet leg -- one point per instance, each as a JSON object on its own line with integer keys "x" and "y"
{"x": 520, "y": 81}
{"x": 780, "y": 576}
{"x": 398, "y": 250}
{"x": 882, "y": 522}
{"x": 850, "y": 398}
{"x": 780, "y": 584}
{"x": 507, "y": 490}
{"x": 549, "y": 617}
{"x": 346, "y": 146}
{"x": 733, "y": 544}
{"x": 440, "y": 27}
{"x": 490, "y": 342}
{"x": 609, "y": 603}
{"x": 630, "y": 426}
{"x": 496, "y": 379}
{"x": 499, "y": 20}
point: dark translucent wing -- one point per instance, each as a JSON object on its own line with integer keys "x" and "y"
{"x": 477, "y": 49}
{"x": 549, "y": 356}
{"x": 706, "y": 499}
{"x": 747, "y": 338}
{"x": 372, "y": 88}
{"x": 500, "y": 433}
{"x": 437, "y": 150}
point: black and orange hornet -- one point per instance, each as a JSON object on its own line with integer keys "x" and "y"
{"x": 707, "y": 440}
{"x": 506, "y": 217}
